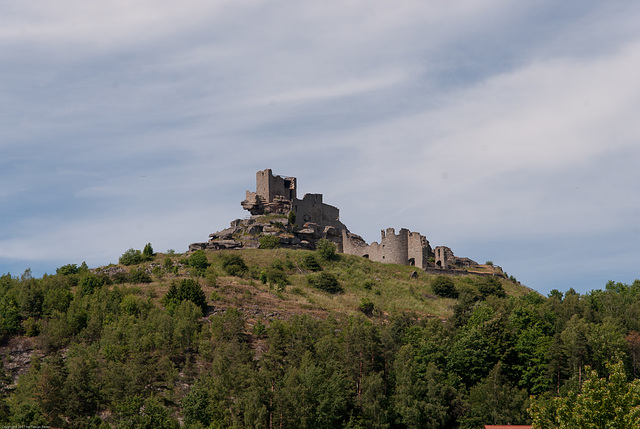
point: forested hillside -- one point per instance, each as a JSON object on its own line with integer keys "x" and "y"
{"x": 299, "y": 339}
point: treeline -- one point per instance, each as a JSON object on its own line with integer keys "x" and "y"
{"x": 115, "y": 356}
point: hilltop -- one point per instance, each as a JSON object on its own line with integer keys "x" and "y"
{"x": 390, "y": 288}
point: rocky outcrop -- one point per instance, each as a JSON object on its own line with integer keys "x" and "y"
{"x": 246, "y": 233}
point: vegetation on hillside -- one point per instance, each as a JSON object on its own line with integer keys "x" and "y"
{"x": 299, "y": 339}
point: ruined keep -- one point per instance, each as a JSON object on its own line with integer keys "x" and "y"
{"x": 278, "y": 195}
{"x": 276, "y": 198}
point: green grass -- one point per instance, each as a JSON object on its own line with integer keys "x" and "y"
{"x": 388, "y": 286}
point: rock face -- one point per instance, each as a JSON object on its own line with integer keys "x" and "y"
{"x": 246, "y": 233}
{"x": 274, "y": 206}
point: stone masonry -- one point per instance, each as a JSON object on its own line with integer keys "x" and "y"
{"x": 276, "y": 197}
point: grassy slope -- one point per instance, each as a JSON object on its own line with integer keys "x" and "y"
{"x": 389, "y": 286}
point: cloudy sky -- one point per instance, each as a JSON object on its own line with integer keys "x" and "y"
{"x": 505, "y": 130}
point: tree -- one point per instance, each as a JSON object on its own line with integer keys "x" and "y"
{"x": 131, "y": 257}
{"x": 187, "y": 289}
{"x": 495, "y": 401}
{"x": 68, "y": 269}
{"x": 147, "y": 253}
{"x": 421, "y": 399}
{"x": 602, "y": 403}
{"x": 91, "y": 283}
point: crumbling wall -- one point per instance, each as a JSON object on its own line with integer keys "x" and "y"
{"x": 444, "y": 257}
{"x": 419, "y": 250}
{"x": 404, "y": 248}
{"x": 271, "y": 187}
{"x": 278, "y": 195}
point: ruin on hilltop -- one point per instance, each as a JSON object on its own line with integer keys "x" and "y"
{"x": 276, "y": 210}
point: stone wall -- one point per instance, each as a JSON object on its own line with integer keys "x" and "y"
{"x": 271, "y": 187}
{"x": 404, "y": 248}
{"x": 278, "y": 195}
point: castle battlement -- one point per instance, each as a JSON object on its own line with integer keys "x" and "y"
{"x": 314, "y": 220}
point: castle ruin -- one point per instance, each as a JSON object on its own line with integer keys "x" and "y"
{"x": 405, "y": 248}
{"x": 278, "y": 195}
{"x": 315, "y": 220}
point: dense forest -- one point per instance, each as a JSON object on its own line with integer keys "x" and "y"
{"x": 164, "y": 341}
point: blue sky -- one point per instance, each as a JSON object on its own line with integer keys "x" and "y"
{"x": 507, "y": 131}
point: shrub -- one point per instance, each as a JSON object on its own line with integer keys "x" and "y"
{"x": 259, "y": 329}
{"x": 366, "y": 306}
{"x": 491, "y": 286}
{"x": 186, "y": 290}
{"x": 139, "y": 275}
{"x": 309, "y": 262}
{"x": 292, "y": 217}
{"x": 234, "y": 265}
{"x": 269, "y": 242}
{"x": 211, "y": 277}
{"x": 120, "y": 277}
{"x": 199, "y": 261}
{"x": 275, "y": 277}
{"x": 325, "y": 281}
{"x": 444, "y": 287}
{"x": 368, "y": 284}
{"x": 326, "y": 249}
{"x": 168, "y": 263}
{"x": 131, "y": 257}
{"x": 489, "y": 263}
{"x": 31, "y": 327}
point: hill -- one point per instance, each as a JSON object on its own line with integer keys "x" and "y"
{"x": 266, "y": 338}
{"x": 391, "y": 288}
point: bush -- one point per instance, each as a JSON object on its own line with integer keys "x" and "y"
{"x": 259, "y": 329}
{"x": 327, "y": 250}
{"x": 489, "y": 263}
{"x": 120, "y": 277}
{"x": 292, "y": 217}
{"x": 269, "y": 242}
{"x": 275, "y": 277}
{"x": 139, "y": 275}
{"x": 234, "y": 265}
{"x": 186, "y": 290}
{"x": 325, "y": 281}
{"x": 211, "y": 277}
{"x": 199, "y": 261}
{"x": 131, "y": 257}
{"x": 444, "y": 287}
{"x": 309, "y": 262}
{"x": 368, "y": 284}
{"x": 491, "y": 286}
{"x": 366, "y": 306}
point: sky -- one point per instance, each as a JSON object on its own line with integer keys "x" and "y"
{"x": 505, "y": 130}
